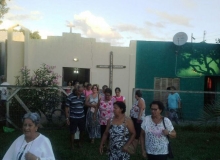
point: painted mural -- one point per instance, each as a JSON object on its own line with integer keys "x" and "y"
{"x": 200, "y": 60}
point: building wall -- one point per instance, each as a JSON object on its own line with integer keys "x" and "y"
{"x": 59, "y": 51}
{"x": 165, "y": 60}
{"x": 16, "y": 36}
{"x": 15, "y": 61}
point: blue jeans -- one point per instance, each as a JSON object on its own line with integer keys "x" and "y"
{"x": 173, "y": 116}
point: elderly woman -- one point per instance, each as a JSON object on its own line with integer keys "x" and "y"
{"x": 31, "y": 145}
{"x": 137, "y": 114}
{"x": 92, "y": 118}
{"x": 106, "y": 109}
{"x": 155, "y": 129}
{"x": 69, "y": 90}
{"x": 121, "y": 131}
{"x": 102, "y": 91}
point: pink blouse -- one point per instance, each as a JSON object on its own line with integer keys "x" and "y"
{"x": 86, "y": 92}
{"x": 106, "y": 111}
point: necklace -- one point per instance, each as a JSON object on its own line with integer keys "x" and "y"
{"x": 21, "y": 152}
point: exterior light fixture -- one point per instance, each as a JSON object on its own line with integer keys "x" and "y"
{"x": 75, "y": 59}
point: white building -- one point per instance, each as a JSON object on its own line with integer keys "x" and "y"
{"x": 60, "y": 51}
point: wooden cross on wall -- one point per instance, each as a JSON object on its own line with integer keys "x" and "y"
{"x": 111, "y": 67}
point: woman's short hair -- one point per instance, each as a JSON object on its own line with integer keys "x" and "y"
{"x": 159, "y": 103}
{"x": 69, "y": 82}
{"x": 88, "y": 85}
{"x": 117, "y": 88}
{"x": 108, "y": 90}
{"x": 95, "y": 85}
{"x": 121, "y": 105}
{"x": 104, "y": 87}
{"x": 32, "y": 116}
{"x": 138, "y": 93}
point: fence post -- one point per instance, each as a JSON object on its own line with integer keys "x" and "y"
{"x": 7, "y": 113}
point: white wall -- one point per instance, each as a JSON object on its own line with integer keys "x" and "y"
{"x": 59, "y": 51}
{"x": 15, "y": 60}
{"x": 17, "y": 36}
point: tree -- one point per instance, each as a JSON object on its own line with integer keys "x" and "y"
{"x": 218, "y": 40}
{"x": 42, "y": 77}
{"x": 35, "y": 35}
{"x": 3, "y": 9}
{"x": 39, "y": 91}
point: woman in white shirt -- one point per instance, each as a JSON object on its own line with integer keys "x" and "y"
{"x": 31, "y": 145}
{"x": 154, "y": 142}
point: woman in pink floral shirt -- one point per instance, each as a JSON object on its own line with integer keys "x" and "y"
{"x": 106, "y": 109}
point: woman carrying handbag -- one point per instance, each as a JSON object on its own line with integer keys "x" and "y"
{"x": 154, "y": 133}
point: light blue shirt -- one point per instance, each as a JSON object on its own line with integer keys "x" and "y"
{"x": 173, "y": 100}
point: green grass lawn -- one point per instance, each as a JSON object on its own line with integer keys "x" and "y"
{"x": 192, "y": 143}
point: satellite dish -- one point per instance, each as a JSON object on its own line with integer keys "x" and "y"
{"x": 180, "y": 38}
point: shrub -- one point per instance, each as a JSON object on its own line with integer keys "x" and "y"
{"x": 38, "y": 91}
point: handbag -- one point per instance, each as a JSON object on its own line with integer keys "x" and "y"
{"x": 131, "y": 147}
{"x": 170, "y": 152}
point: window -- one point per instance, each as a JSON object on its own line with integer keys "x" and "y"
{"x": 162, "y": 84}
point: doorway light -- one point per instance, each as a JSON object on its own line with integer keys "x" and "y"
{"x": 76, "y": 70}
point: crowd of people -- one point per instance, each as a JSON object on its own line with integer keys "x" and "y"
{"x": 102, "y": 115}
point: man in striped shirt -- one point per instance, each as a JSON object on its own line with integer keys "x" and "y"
{"x": 75, "y": 113}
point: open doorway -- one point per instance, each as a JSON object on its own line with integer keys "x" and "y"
{"x": 212, "y": 84}
{"x": 75, "y": 74}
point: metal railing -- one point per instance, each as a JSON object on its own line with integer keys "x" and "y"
{"x": 193, "y": 102}
{"x": 14, "y": 94}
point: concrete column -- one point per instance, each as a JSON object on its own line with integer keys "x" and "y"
{"x": 26, "y": 47}
{"x": 132, "y": 74}
{"x": 8, "y": 53}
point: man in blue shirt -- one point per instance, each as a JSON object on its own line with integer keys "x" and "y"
{"x": 75, "y": 113}
{"x": 173, "y": 104}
